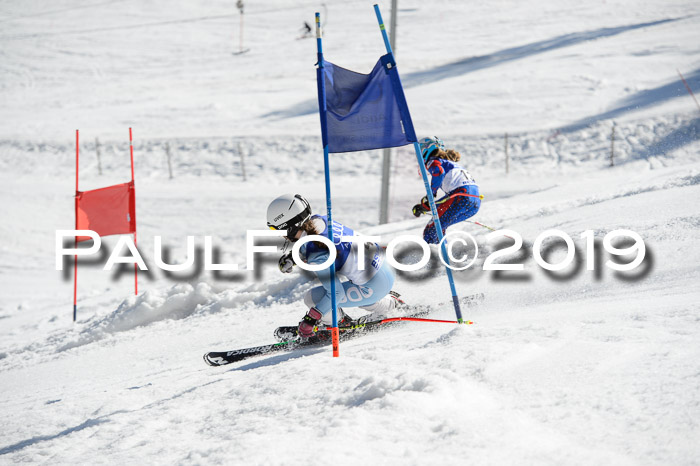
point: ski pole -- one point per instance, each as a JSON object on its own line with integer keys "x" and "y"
{"x": 418, "y": 319}
{"x": 488, "y": 227}
{"x": 399, "y": 319}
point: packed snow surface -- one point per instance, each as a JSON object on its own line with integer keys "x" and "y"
{"x": 571, "y": 367}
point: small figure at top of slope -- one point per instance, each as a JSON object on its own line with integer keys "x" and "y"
{"x": 368, "y": 289}
{"x": 305, "y": 31}
{"x": 462, "y": 199}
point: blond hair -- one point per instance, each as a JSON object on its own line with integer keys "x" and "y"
{"x": 449, "y": 154}
{"x": 310, "y": 229}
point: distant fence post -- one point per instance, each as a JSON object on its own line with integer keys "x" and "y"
{"x": 612, "y": 146}
{"x": 239, "y": 4}
{"x": 99, "y": 161}
{"x": 170, "y": 165}
{"x": 506, "y": 150}
{"x": 240, "y": 152}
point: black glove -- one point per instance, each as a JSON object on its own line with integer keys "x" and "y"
{"x": 421, "y": 208}
{"x": 286, "y": 263}
{"x": 418, "y": 210}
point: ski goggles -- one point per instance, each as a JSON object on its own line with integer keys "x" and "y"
{"x": 291, "y": 231}
{"x": 292, "y": 227}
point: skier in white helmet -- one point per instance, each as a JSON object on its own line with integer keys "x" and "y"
{"x": 366, "y": 287}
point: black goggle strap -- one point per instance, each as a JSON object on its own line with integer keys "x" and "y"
{"x": 292, "y": 231}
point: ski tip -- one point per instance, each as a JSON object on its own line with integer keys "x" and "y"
{"x": 208, "y": 360}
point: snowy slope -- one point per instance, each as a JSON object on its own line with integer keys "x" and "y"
{"x": 508, "y": 66}
{"x": 595, "y": 367}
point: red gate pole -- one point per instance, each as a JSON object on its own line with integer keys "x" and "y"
{"x": 136, "y": 268}
{"x": 75, "y": 241}
{"x": 690, "y": 91}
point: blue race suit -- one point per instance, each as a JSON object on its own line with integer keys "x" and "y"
{"x": 363, "y": 288}
{"x": 462, "y": 200}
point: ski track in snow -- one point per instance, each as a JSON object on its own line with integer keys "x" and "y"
{"x": 573, "y": 367}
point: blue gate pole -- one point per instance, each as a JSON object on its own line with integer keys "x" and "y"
{"x": 410, "y": 131}
{"x": 321, "y": 84}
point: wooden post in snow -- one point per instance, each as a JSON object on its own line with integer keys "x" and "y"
{"x": 612, "y": 146}
{"x": 99, "y": 161}
{"x": 239, "y": 4}
{"x": 240, "y": 152}
{"x": 506, "y": 149}
{"x": 170, "y": 165}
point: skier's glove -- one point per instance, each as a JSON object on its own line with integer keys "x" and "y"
{"x": 308, "y": 323}
{"x": 421, "y": 208}
{"x": 286, "y": 263}
{"x": 418, "y": 210}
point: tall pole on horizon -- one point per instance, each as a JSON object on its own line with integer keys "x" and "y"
{"x": 386, "y": 159}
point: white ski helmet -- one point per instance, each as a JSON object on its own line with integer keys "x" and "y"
{"x": 428, "y": 146}
{"x": 288, "y": 212}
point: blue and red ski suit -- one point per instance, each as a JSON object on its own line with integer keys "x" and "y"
{"x": 462, "y": 200}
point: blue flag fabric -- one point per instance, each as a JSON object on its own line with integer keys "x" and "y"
{"x": 363, "y": 109}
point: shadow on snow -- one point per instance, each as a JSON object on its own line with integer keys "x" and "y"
{"x": 42, "y": 438}
{"x": 641, "y": 100}
{"x": 471, "y": 64}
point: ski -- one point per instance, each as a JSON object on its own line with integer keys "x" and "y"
{"x": 322, "y": 337}
{"x": 215, "y": 358}
{"x": 411, "y": 311}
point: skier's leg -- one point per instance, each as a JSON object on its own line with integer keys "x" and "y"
{"x": 313, "y": 297}
{"x": 355, "y": 295}
{"x": 430, "y": 233}
{"x": 319, "y": 298}
{"x": 384, "y": 306}
{"x": 456, "y": 210}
